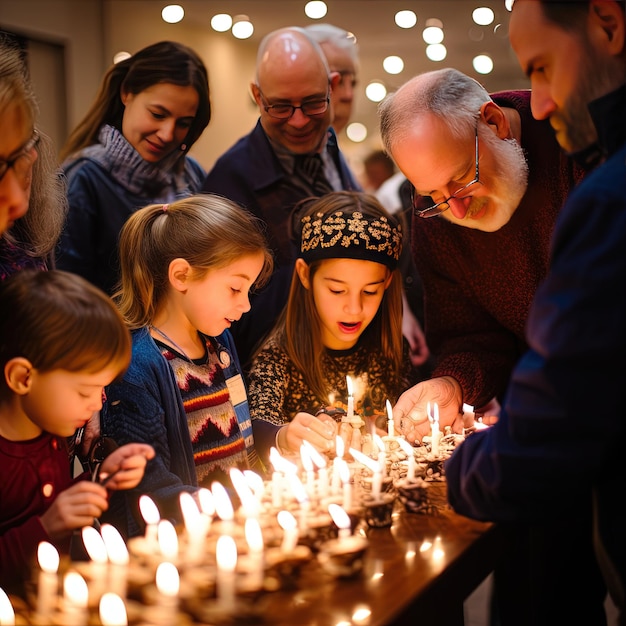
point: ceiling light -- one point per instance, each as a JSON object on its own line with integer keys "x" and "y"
{"x": 221, "y": 22}
{"x": 508, "y": 4}
{"x": 436, "y": 52}
{"x": 483, "y": 16}
{"x": 405, "y": 19}
{"x": 172, "y": 13}
{"x": 393, "y": 64}
{"x": 121, "y": 56}
{"x": 483, "y": 64}
{"x": 375, "y": 91}
{"x": 315, "y": 9}
{"x": 242, "y": 27}
{"x": 432, "y": 34}
{"x": 356, "y": 132}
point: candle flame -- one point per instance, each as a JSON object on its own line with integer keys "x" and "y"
{"x": 280, "y": 463}
{"x": 315, "y": 456}
{"x": 344, "y": 472}
{"x": 7, "y": 615}
{"x": 167, "y": 579}
{"x": 350, "y": 387}
{"x": 226, "y": 553}
{"x": 112, "y": 610}
{"x": 380, "y": 444}
{"x": 149, "y": 510}
{"x": 389, "y": 411}
{"x": 205, "y": 497}
{"x": 305, "y": 457}
{"x": 48, "y": 557}
{"x": 286, "y": 520}
{"x": 223, "y": 505}
{"x": 340, "y": 517}
{"x": 115, "y": 545}
{"x": 190, "y": 510}
{"x": 168, "y": 539}
{"x": 339, "y": 446}
{"x": 94, "y": 544}
{"x": 405, "y": 445}
{"x": 246, "y": 497}
{"x": 254, "y": 536}
{"x": 255, "y": 482}
{"x": 75, "y": 589}
{"x": 357, "y": 455}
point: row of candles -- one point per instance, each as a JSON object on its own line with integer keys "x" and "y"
{"x": 109, "y": 554}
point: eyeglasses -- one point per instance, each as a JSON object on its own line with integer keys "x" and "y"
{"x": 444, "y": 205}
{"x": 23, "y": 160}
{"x": 285, "y": 111}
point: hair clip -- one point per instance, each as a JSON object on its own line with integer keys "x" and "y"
{"x": 165, "y": 208}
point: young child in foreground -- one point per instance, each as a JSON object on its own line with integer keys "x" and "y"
{"x": 343, "y": 316}
{"x": 187, "y": 269}
{"x": 61, "y": 342}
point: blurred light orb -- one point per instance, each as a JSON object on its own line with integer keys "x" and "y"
{"x": 432, "y": 34}
{"x": 483, "y": 64}
{"x": 356, "y": 132}
{"x": 315, "y": 9}
{"x": 172, "y": 13}
{"x": 221, "y": 22}
{"x": 405, "y": 19}
{"x": 483, "y": 16}
{"x": 242, "y": 27}
{"x": 375, "y": 91}
{"x": 393, "y": 64}
{"x": 436, "y": 52}
{"x": 122, "y": 55}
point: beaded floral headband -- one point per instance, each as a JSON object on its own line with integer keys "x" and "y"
{"x": 350, "y": 235}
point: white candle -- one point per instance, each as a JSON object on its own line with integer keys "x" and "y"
{"x": 7, "y": 614}
{"x": 168, "y": 585}
{"x": 112, "y": 610}
{"x": 390, "y": 427}
{"x": 307, "y": 465}
{"x": 168, "y": 540}
{"x": 47, "y": 587}
{"x": 435, "y": 433}
{"x": 408, "y": 448}
{"x": 374, "y": 467}
{"x": 75, "y": 596}
{"x": 350, "y": 411}
{"x": 151, "y": 516}
{"x": 290, "y": 531}
{"x": 118, "y": 559}
{"x": 254, "y": 539}
{"x": 226, "y": 555}
{"x": 382, "y": 454}
{"x": 319, "y": 461}
{"x": 196, "y": 526}
{"x": 336, "y": 479}
{"x": 344, "y": 472}
{"x": 98, "y": 567}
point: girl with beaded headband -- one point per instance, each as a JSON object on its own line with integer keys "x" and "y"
{"x": 186, "y": 272}
{"x": 343, "y": 315}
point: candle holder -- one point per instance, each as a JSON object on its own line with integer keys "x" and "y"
{"x": 320, "y": 528}
{"x": 378, "y": 510}
{"x": 282, "y": 569}
{"x": 413, "y": 494}
{"x": 343, "y": 557}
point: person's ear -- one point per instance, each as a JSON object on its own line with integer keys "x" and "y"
{"x": 608, "y": 23}
{"x": 335, "y": 79}
{"x": 17, "y": 374}
{"x": 494, "y": 117}
{"x": 388, "y": 279}
{"x": 304, "y": 272}
{"x": 179, "y": 274}
{"x": 256, "y": 94}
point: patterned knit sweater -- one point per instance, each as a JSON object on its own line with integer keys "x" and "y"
{"x": 277, "y": 389}
{"x": 478, "y": 285}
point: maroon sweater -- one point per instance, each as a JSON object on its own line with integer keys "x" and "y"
{"x": 478, "y": 285}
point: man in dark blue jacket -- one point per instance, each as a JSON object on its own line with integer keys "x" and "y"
{"x": 557, "y": 449}
{"x": 291, "y": 154}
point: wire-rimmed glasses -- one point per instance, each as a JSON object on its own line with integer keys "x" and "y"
{"x": 444, "y": 205}
{"x": 284, "y": 111}
{"x": 23, "y": 160}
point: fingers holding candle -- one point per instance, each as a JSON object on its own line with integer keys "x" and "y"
{"x": 318, "y": 431}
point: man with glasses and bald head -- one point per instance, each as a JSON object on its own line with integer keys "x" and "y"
{"x": 292, "y": 153}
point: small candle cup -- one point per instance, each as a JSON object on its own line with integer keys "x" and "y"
{"x": 378, "y": 511}
{"x": 343, "y": 557}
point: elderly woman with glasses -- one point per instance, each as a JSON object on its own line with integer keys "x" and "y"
{"x": 32, "y": 195}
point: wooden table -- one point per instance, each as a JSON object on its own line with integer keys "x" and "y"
{"x": 399, "y": 583}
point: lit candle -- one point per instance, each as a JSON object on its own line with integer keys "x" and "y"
{"x": 112, "y": 610}
{"x": 322, "y": 472}
{"x": 118, "y": 559}
{"x": 151, "y": 516}
{"x": 256, "y": 484}
{"x": 94, "y": 545}
{"x": 350, "y": 412}
{"x": 254, "y": 539}
{"x": 248, "y": 502}
{"x": 75, "y": 596}
{"x": 168, "y": 540}
{"x": 374, "y": 466}
{"x": 382, "y": 454}
{"x": 341, "y": 519}
{"x": 223, "y": 506}
{"x": 196, "y": 526}
{"x": 299, "y": 493}
{"x": 7, "y": 614}
{"x": 47, "y": 587}
{"x": 307, "y": 465}
{"x": 390, "y": 427}
{"x": 290, "y": 531}
{"x": 408, "y": 448}
{"x": 336, "y": 479}
{"x": 344, "y": 472}
{"x": 168, "y": 584}
{"x": 434, "y": 425}
{"x": 226, "y": 556}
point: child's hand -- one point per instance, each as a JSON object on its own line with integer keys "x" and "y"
{"x": 124, "y": 467}
{"x": 318, "y": 431}
{"x": 74, "y": 508}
